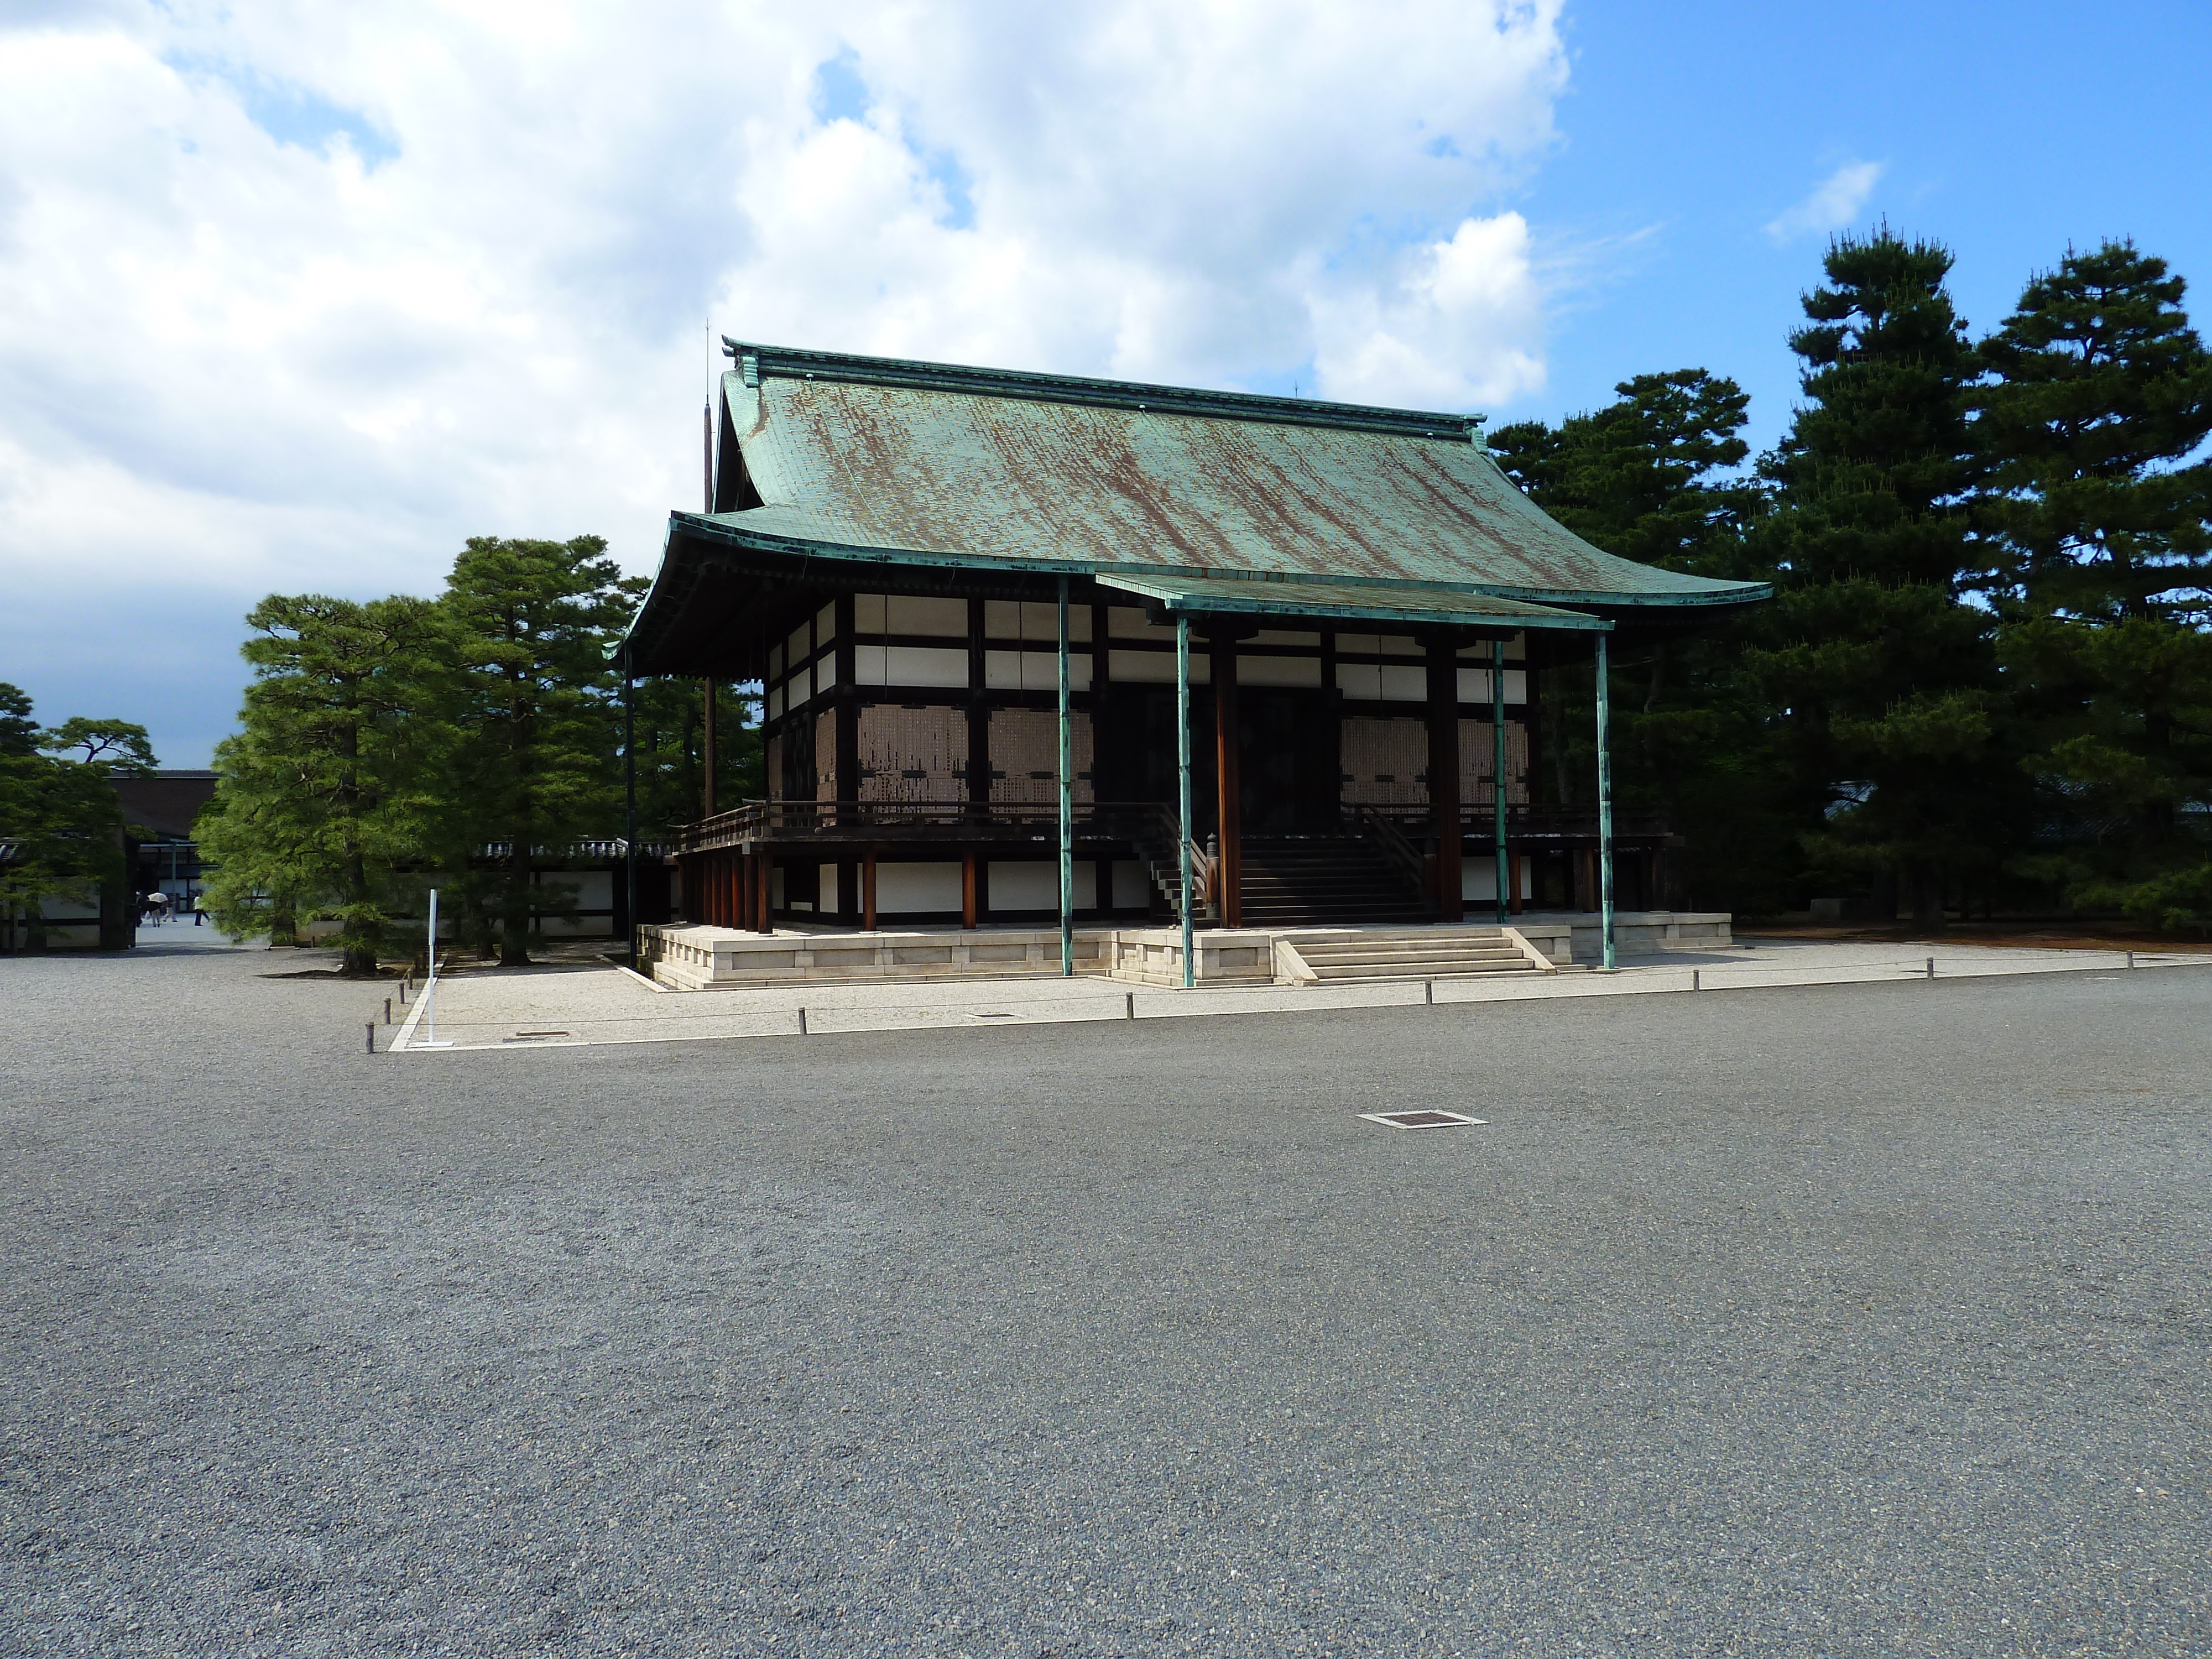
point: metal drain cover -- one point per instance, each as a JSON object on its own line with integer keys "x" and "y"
{"x": 1429, "y": 1119}
{"x": 533, "y": 1036}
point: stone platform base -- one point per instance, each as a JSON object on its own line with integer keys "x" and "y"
{"x": 695, "y": 957}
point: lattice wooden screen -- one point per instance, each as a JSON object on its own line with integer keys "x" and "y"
{"x": 1385, "y": 762}
{"x": 1025, "y": 756}
{"x": 1478, "y": 751}
{"x": 913, "y": 754}
{"x": 825, "y": 755}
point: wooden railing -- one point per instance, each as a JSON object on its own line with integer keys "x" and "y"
{"x": 910, "y": 820}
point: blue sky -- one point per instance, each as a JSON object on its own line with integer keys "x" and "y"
{"x": 2004, "y": 131}
{"x": 297, "y": 300}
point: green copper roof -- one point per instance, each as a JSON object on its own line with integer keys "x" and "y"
{"x": 1061, "y": 473}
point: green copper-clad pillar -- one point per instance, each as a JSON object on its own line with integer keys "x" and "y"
{"x": 1604, "y": 801}
{"x": 1066, "y": 806}
{"x": 629, "y": 805}
{"x": 1503, "y": 871}
{"x": 1183, "y": 785}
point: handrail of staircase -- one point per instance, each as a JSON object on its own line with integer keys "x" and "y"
{"x": 1400, "y": 851}
{"x": 1157, "y": 846}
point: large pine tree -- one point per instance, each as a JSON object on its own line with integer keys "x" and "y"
{"x": 2098, "y": 509}
{"x": 328, "y": 788}
{"x": 536, "y": 698}
{"x": 1883, "y": 677}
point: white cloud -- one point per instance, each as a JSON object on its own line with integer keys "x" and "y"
{"x": 295, "y": 295}
{"x": 1836, "y": 201}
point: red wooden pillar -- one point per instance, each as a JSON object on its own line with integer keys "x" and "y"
{"x": 968, "y": 896}
{"x": 1229, "y": 814}
{"x": 868, "y": 892}
{"x": 1444, "y": 776}
{"x": 764, "y": 892}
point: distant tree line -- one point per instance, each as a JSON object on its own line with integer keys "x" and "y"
{"x": 477, "y": 736}
{"x": 62, "y": 830}
{"x": 1986, "y": 680}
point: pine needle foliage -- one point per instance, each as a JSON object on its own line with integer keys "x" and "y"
{"x": 324, "y": 796}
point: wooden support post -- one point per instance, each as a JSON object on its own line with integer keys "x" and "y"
{"x": 1515, "y": 862}
{"x": 1505, "y": 894}
{"x": 868, "y": 892}
{"x": 1229, "y": 869}
{"x": 764, "y": 873}
{"x": 1443, "y": 775}
{"x": 968, "y": 895}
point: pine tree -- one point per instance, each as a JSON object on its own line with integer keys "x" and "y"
{"x": 2100, "y": 394}
{"x": 1646, "y": 478}
{"x": 327, "y": 793}
{"x": 537, "y": 699}
{"x": 1889, "y": 724}
{"x": 670, "y": 758}
{"x": 61, "y": 825}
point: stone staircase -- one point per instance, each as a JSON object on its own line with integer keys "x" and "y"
{"x": 1409, "y": 953}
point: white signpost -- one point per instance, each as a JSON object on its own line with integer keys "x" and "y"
{"x": 430, "y": 984}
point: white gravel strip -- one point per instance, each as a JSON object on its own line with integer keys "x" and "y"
{"x": 566, "y": 1005}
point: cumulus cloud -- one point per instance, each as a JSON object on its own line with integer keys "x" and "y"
{"x": 296, "y": 296}
{"x": 1836, "y": 201}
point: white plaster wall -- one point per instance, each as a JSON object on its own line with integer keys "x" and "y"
{"x": 1004, "y": 619}
{"x": 910, "y": 664}
{"x": 1155, "y": 667}
{"x": 832, "y": 894}
{"x": 1133, "y": 888}
{"x": 907, "y": 888}
{"x": 1035, "y": 670}
{"x": 1477, "y": 880}
{"x": 1279, "y": 671}
{"x": 1475, "y": 685}
{"x": 1034, "y": 885}
{"x": 907, "y": 613}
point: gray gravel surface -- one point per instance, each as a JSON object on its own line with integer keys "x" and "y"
{"x": 1856, "y": 1319}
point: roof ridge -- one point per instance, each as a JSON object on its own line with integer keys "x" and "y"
{"x": 755, "y": 363}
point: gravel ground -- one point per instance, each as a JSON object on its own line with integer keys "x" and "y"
{"x": 1859, "y": 1319}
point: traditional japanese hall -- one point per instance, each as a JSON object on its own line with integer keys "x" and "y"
{"x": 1052, "y": 651}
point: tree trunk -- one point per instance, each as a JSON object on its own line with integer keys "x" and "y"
{"x": 1928, "y": 898}
{"x": 1881, "y": 901}
{"x": 360, "y": 961}
{"x": 514, "y": 909}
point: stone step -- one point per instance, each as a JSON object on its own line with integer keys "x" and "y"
{"x": 1355, "y": 956}
{"x": 1405, "y": 971}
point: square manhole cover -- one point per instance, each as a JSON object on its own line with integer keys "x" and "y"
{"x": 1428, "y": 1118}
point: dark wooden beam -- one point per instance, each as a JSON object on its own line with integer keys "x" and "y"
{"x": 1443, "y": 774}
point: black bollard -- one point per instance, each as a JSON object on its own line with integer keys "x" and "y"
{"x": 372, "y": 1036}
